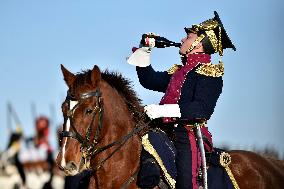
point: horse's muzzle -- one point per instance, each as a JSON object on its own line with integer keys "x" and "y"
{"x": 71, "y": 168}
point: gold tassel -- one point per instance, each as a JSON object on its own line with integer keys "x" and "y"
{"x": 225, "y": 160}
{"x": 230, "y": 174}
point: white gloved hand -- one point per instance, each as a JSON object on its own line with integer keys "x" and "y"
{"x": 167, "y": 110}
{"x": 141, "y": 57}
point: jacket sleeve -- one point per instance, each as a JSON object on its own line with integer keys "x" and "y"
{"x": 205, "y": 94}
{"x": 150, "y": 79}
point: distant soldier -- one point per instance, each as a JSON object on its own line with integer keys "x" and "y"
{"x": 41, "y": 142}
{"x": 12, "y": 153}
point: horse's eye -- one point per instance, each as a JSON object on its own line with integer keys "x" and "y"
{"x": 89, "y": 111}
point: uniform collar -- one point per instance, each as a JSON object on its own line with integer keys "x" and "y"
{"x": 198, "y": 58}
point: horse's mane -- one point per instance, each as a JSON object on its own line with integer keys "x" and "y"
{"x": 118, "y": 82}
{"x": 124, "y": 87}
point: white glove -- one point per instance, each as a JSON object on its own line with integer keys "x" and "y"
{"x": 141, "y": 57}
{"x": 167, "y": 110}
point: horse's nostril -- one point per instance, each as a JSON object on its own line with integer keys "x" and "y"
{"x": 71, "y": 166}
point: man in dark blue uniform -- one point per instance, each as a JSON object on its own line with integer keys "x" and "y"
{"x": 191, "y": 93}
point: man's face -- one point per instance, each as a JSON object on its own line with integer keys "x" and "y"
{"x": 186, "y": 43}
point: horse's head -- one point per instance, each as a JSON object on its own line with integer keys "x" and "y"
{"x": 95, "y": 129}
{"x": 82, "y": 112}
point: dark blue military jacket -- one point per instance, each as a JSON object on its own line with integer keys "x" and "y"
{"x": 199, "y": 93}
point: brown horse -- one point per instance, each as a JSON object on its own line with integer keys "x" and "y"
{"x": 100, "y": 118}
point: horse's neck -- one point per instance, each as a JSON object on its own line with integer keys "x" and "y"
{"x": 116, "y": 110}
{"x": 117, "y": 118}
{"x": 117, "y": 124}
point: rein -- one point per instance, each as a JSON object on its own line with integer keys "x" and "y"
{"x": 120, "y": 142}
{"x": 90, "y": 149}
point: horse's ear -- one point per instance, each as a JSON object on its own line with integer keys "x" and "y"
{"x": 68, "y": 76}
{"x": 95, "y": 76}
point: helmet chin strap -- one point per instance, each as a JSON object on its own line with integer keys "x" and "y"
{"x": 195, "y": 43}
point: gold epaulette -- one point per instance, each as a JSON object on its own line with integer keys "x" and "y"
{"x": 173, "y": 69}
{"x": 213, "y": 70}
{"x": 16, "y": 146}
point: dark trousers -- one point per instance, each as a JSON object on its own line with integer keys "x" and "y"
{"x": 183, "y": 158}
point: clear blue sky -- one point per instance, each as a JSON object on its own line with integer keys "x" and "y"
{"x": 37, "y": 36}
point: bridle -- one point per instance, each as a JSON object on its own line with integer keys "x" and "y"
{"x": 90, "y": 148}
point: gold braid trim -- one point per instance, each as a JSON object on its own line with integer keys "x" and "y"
{"x": 206, "y": 25}
{"x": 230, "y": 174}
{"x": 173, "y": 69}
{"x": 212, "y": 70}
{"x": 149, "y": 148}
{"x": 220, "y": 42}
{"x": 213, "y": 39}
{"x": 225, "y": 160}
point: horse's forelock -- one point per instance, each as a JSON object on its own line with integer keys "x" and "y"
{"x": 83, "y": 80}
